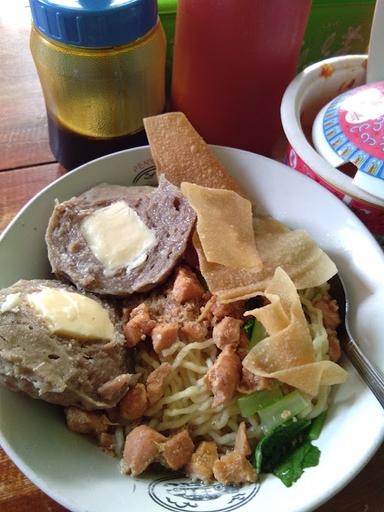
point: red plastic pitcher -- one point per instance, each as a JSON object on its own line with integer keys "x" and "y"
{"x": 233, "y": 60}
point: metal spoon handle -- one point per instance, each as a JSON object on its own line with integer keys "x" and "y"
{"x": 370, "y": 375}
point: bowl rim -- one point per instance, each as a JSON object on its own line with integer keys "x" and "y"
{"x": 41, "y": 483}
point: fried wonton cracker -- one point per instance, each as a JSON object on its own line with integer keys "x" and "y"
{"x": 182, "y": 155}
{"x": 311, "y": 376}
{"x": 287, "y": 353}
{"x": 224, "y": 226}
{"x": 293, "y": 250}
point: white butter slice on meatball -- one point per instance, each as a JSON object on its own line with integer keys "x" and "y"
{"x": 11, "y": 303}
{"x": 71, "y": 314}
{"x": 117, "y": 237}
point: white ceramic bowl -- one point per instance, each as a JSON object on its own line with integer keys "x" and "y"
{"x": 309, "y": 91}
{"x": 70, "y": 469}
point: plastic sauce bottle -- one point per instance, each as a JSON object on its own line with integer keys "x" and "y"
{"x": 101, "y": 64}
{"x": 232, "y": 61}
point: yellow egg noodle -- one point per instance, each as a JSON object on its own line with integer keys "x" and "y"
{"x": 187, "y": 402}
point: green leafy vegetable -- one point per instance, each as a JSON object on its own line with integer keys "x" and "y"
{"x": 305, "y": 456}
{"x": 254, "y": 331}
{"x": 278, "y": 443}
{"x": 248, "y": 326}
{"x": 250, "y": 404}
{"x": 258, "y": 334}
{"x": 287, "y": 449}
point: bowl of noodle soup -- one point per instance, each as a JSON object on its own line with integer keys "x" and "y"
{"x": 81, "y": 477}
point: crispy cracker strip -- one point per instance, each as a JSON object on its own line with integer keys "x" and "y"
{"x": 289, "y": 342}
{"x": 287, "y": 354}
{"x": 294, "y": 251}
{"x": 182, "y": 155}
{"x": 224, "y": 226}
{"x": 309, "y": 377}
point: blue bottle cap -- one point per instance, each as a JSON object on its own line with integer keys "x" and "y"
{"x": 94, "y": 23}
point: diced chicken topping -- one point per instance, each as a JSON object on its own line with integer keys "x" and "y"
{"x": 224, "y": 376}
{"x": 139, "y": 326}
{"x": 162, "y": 305}
{"x": 206, "y": 310}
{"x": 242, "y": 347}
{"x": 334, "y": 350}
{"x": 241, "y": 443}
{"x": 234, "y": 469}
{"x": 234, "y": 309}
{"x": 186, "y": 286}
{"x": 134, "y": 403}
{"x": 141, "y": 310}
{"x": 250, "y": 382}
{"x": 177, "y": 451}
{"x": 330, "y": 310}
{"x": 193, "y": 331}
{"x": 164, "y": 336}
{"x": 106, "y": 441}
{"x": 141, "y": 449}
{"x": 200, "y": 466}
{"x": 227, "y": 332}
{"x": 86, "y": 422}
{"x": 115, "y": 388}
{"x": 156, "y": 382}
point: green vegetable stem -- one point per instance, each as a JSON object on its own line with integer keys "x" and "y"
{"x": 290, "y": 405}
{"x": 250, "y": 404}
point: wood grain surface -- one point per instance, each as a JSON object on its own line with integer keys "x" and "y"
{"x": 26, "y": 166}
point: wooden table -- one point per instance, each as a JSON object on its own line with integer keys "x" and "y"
{"x": 26, "y": 166}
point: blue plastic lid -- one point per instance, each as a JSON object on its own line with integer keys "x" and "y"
{"x": 94, "y": 23}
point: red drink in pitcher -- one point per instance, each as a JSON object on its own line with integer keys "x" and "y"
{"x": 233, "y": 60}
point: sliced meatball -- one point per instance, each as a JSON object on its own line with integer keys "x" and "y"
{"x": 64, "y": 367}
{"x": 164, "y": 210}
